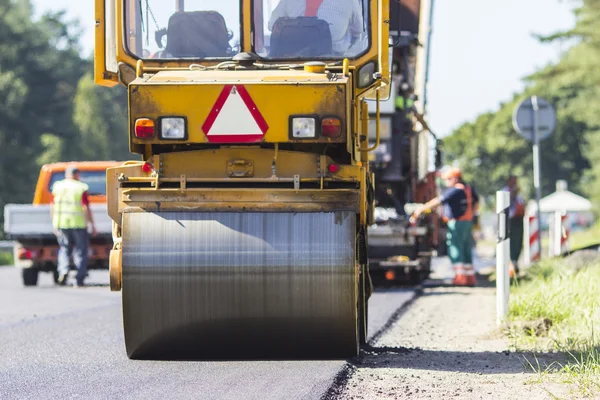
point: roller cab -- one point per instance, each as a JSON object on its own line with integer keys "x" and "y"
{"x": 241, "y": 232}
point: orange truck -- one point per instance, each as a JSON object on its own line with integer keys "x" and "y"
{"x": 30, "y": 225}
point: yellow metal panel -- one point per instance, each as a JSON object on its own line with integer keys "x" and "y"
{"x": 231, "y": 76}
{"x": 276, "y": 103}
{"x": 122, "y": 55}
{"x": 239, "y": 199}
{"x": 101, "y": 75}
{"x": 384, "y": 45}
{"x": 364, "y": 207}
{"x": 215, "y": 163}
{"x": 130, "y": 168}
{"x": 247, "y": 26}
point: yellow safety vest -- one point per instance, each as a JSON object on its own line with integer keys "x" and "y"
{"x": 68, "y": 209}
{"x": 403, "y": 103}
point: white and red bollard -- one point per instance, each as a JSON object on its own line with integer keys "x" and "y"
{"x": 531, "y": 237}
{"x": 559, "y": 234}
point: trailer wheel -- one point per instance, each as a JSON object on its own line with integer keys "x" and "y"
{"x": 30, "y": 276}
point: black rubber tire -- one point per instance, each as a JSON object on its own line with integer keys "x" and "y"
{"x": 363, "y": 307}
{"x": 30, "y": 276}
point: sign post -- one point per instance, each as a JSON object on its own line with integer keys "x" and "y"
{"x": 535, "y": 119}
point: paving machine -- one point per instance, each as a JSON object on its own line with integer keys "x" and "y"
{"x": 242, "y": 231}
{"x": 401, "y": 252}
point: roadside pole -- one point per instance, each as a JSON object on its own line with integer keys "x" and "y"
{"x": 536, "y": 160}
{"x": 535, "y": 119}
{"x": 502, "y": 256}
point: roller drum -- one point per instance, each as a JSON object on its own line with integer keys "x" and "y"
{"x": 239, "y": 285}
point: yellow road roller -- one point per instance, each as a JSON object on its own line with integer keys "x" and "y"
{"x": 241, "y": 232}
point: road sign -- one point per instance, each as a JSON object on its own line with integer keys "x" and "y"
{"x": 235, "y": 118}
{"x": 523, "y": 119}
{"x": 535, "y": 120}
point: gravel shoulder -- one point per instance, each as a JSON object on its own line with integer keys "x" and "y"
{"x": 446, "y": 345}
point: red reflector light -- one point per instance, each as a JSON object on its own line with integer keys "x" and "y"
{"x": 390, "y": 275}
{"x": 25, "y": 254}
{"x": 144, "y": 128}
{"x": 331, "y": 127}
{"x": 147, "y": 167}
{"x": 333, "y": 168}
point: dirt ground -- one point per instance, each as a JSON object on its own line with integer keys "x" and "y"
{"x": 446, "y": 345}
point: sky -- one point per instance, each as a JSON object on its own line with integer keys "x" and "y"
{"x": 481, "y": 50}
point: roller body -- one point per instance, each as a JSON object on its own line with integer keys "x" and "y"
{"x": 199, "y": 285}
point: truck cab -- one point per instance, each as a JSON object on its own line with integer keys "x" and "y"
{"x": 93, "y": 173}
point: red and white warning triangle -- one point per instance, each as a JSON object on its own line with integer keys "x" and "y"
{"x": 235, "y": 118}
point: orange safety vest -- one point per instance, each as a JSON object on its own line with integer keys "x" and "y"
{"x": 469, "y": 214}
{"x": 312, "y": 6}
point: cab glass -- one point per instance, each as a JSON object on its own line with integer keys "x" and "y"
{"x": 183, "y": 29}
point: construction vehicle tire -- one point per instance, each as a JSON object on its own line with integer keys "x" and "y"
{"x": 223, "y": 285}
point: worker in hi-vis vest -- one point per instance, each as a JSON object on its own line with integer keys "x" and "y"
{"x": 71, "y": 216}
{"x": 459, "y": 203}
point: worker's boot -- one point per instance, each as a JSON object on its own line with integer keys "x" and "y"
{"x": 471, "y": 279}
{"x": 460, "y": 279}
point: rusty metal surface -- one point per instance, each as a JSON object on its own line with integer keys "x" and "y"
{"x": 239, "y": 285}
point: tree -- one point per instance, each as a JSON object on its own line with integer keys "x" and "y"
{"x": 101, "y": 117}
{"x": 489, "y": 149}
{"x": 37, "y": 83}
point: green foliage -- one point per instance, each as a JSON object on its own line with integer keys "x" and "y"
{"x": 101, "y": 118}
{"x": 6, "y": 258}
{"x": 488, "y": 149}
{"x": 50, "y": 109}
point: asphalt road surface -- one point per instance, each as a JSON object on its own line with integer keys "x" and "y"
{"x": 62, "y": 342}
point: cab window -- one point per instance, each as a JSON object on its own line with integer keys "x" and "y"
{"x": 96, "y": 181}
{"x": 303, "y": 29}
{"x": 183, "y": 29}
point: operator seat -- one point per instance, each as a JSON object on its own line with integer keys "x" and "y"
{"x": 300, "y": 37}
{"x": 198, "y": 34}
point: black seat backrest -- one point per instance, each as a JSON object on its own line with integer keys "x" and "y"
{"x": 300, "y": 37}
{"x": 198, "y": 34}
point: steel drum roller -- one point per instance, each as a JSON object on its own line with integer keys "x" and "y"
{"x": 239, "y": 285}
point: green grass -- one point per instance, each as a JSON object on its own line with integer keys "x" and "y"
{"x": 6, "y": 258}
{"x": 585, "y": 238}
{"x": 554, "y": 309}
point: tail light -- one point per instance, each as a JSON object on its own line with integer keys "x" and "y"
{"x": 144, "y": 128}
{"x": 25, "y": 254}
{"x": 333, "y": 168}
{"x": 331, "y": 127}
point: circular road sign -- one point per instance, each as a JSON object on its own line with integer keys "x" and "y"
{"x": 523, "y": 118}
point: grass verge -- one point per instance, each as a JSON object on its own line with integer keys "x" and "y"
{"x": 6, "y": 258}
{"x": 556, "y": 308}
{"x": 591, "y": 236}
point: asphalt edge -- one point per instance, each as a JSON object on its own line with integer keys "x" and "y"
{"x": 341, "y": 379}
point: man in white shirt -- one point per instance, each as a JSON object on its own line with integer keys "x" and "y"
{"x": 344, "y": 17}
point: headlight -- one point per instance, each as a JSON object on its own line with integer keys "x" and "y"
{"x": 172, "y": 128}
{"x": 365, "y": 75}
{"x": 304, "y": 127}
